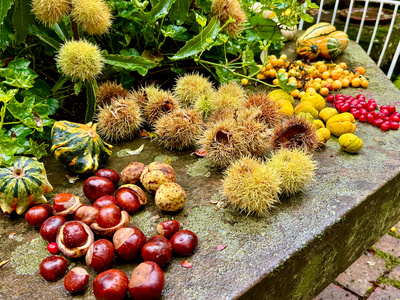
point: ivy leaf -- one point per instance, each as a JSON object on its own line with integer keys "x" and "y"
{"x": 20, "y": 132}
{"x": 283, "y": 83}
{"x": 160, "y": 10}
{"x": 199, "y": 42}
{"x": 8, "y": 148}
{"x": 36, "y": 149}
{"x": 5, "y": 5}
{"x": 132, "y": 63}
{"x": 40, "y": 90}
{"x": 53, "y": 105}
{"x": 180, "y": 11}
{"x": 22, "y": 19}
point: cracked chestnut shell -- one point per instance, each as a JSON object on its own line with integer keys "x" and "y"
{"x": 65, "y": 205}
{"x": 131, "y": 173}
{"x": 130, "y": 197}
{"x": 155, "y": 174}
{"x": 74, "y": 238}
{"x": 109, "y": 220}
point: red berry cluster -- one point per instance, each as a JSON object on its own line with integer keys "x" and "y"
{"x": 387, "y": 118}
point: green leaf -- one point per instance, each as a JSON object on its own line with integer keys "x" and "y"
{"x": 21, "y": 81}
{"x": 8, "y": 147}
{"x": 61, "y": 31}
{"x": 36, "y": 149}
{"x": 283, "y": 83}
{"x": 132, "y": 63}
{"x": 6, "y": 35}
{"x": 200, "y": 19}
{"x": 180, "y": 11}
{"x": 205, "y": 5}
{"x": 45, "y": 38}
{"x": 5, "y": 5}
{"x": 5, "y": 97}
{"x": 22, "y": 19}
{"x": 160, "y": 10}
{"x": 53, "y": 105}
{"x": 40, "y": 90}
{"x": 59, "y": 84}
{"x": 77, "y": 87}
{"x": 91, "y": 102}
{"x": 20, "y": 131}
{"x": 199, "y": 42}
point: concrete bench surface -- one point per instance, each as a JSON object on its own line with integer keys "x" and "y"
{"x": 293, "y": 253}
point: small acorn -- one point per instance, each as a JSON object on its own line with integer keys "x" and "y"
{"x": 170, "y": 196}
{"x": 179, "y": 129}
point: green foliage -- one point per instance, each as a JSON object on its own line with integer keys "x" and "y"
{"x": 25, "y": 106}
{"x": 396, "y": 82}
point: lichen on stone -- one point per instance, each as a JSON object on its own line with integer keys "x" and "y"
{"x": 27, "y": 257}
{"x": 165, "y": 158}
{"x": 201, "y": 167}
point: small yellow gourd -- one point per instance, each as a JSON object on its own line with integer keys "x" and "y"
{"x": 327, "y": 113}
{"x": 307, "y": 107}
{"x": 350, "y": 143}
{"x": 306, "y": 116}
{"x": 341, "y": 124}
{"x": 316, "y": 99}
{"x": 285, "y": 107}
{"x": 325, "y": 133}
{"x": 317, "y": 124}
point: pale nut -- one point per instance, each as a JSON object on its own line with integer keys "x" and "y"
{"x": 170, "y": 196}
{"x": 155, "y": 174}
{"x": 131, "y": 173}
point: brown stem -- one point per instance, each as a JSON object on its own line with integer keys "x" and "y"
{"x": 75, "y": 30}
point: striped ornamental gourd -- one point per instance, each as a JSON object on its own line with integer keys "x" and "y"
{"x": 308, "y": 50}
{"x": 316, "y": 32}
{"x": 330, "y": 47}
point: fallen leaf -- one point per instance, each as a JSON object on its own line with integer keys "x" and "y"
{"x": 4, "y": 262}
{"x": 370, "y": 252}
{"x": 143, "y": 133}
{"x": 221, "y": 247}
{"x": 201, "y": 152}
{"x": 37, "y": 119}
{"x": 156, "y": 217}
{"x": 125, "y": 152}
{"x": 12, "y": 235}
{"x": 371, "y": 263}
{"x": 186, "y": 264}
{"x": 72, "y": 179}
{"x": 212, "y": 201}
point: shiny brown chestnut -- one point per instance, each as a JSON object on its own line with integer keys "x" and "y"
{"x": 110, "y": 174}
{"x": 104, "y": 201}
{"x": 157, "y": 249}
{"x": 86, "y": 214}
{"x": 74, "y": 238}
{"x": 100, "y": 255}
{"x": 65, "y": 205}
{"x": 95, "y": 186}
{"x": 184, "y": 242}
{"x": 168, "y": 228}
{"x": 50, "y": 227}
{"x": 146, "y": 282}
{"x": 36, "y": 215}
{"x": 130, "y": 197}
{"x": 76, "y": 280}
{"x": 110, "y": 285}
{"x": 131, "y": 173}
{"x": 53, "y": 267}
{"x": 128, "y": 242}
{"x": 109, "y": 220}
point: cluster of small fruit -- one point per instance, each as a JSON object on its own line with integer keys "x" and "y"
{"x": 318, "y": 77}
{"x": 387, "y": 118}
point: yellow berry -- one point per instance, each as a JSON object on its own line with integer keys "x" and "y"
{"x": 245, "y": 81}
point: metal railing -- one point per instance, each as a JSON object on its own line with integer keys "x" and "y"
{"x": 393, "y": 4}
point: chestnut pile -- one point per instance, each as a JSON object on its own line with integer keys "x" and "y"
{"x": 101, "y": 231}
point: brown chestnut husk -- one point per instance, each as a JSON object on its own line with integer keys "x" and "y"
{"x": 74, "y": 238}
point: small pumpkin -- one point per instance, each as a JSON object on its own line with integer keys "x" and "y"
{"x": 341, "y": 124}
{"x": 330, "y": 47}
{"x": 79, "y": 147}
{"x": 285, "y": 107}
{"x": 316, "y": 99}
{"x": 350, "y": 143}
{"x": 316, "y": 32}
{"x": 308, "y": 50}
{"x": 307, "y": 107}
{"x": 317, "y": 124}
{"x": 341, "y": 36}
{"x": 23, "y": 185}
{"x": 327, "y": 113}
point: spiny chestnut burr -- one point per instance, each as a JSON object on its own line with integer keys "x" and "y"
{"x": 128, "y": 242}
{"x": 168, "y": 228}
{"x": 157, "y": 249}
{"x": 110, "y": 285}
{"x": 104, "y": 201}
{"x": 131, "y": 173}
{"x": 74, "y": 238}
{"x": 86, "y": 214}
{"x": 76, "y": 280}
{"x": 53, "y": 267}
{"x": 37, "y": 214}
{"x": 130, "y": 197}
{"x": 184, "y": 242}
{"x": 100, "y": 255}
{"x": 95, "y": 186}
{"x": 155, "y": 174}
{"x": 146, "y": 282}
{"x": 65, "y": 205}
{"x": 110, "y": 174}
{"x": 109, "y": 220}
{"x": 50, "y": 227}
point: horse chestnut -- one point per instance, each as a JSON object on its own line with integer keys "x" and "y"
{"x": 100, "y": 255}
{"x": 76, "y": 280}
{"x": 168, "y": 228}
{"x": 155, "y": 174}
{"x": 157, "y": 249}
{"x": 37, "y": 214}
{"x": 74, "y": 238}
{"x": 131, "y": 173}
{"x": 95, "y": 186}
{"x": 110, "y": 285}
{"x": 86, "y": 214}
{"x": 109, "y": 220}
{"x": 50, "y": 227}
{"x": 65, "y": 205}
{"x": 146, "y": 282}
{"x": 104, "y": 201}
{"x": 110, "y": 174}
{"x": 130, "y": 197}
{"x": 53, "y": 267}
{"x": 184, "y": 242}
{"x": 128, "y": 242}
{"x": 170, "y": 196}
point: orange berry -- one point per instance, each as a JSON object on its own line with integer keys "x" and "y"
{"x": 245, "y": 81}
{"x": 260, "y": 76}
{"x": 364, "y": 83}
{"x": 360, "y": 70}
{"x": 275, "y": 82}
{"x": 310, "y": 90}
{"x": 279, "y": 61}
{"x": 325, "y": 75}
{"x": 272, "y": 73}
{"x": 295, "y": 93}
{"x": 269, "y": 66}
{"x": 322, "y": 68}
{"x": 329, "y": 80}
{"x": 356, "y": 82}
{"x": 343, "y": 65}
{"x": 324, "y": 91}
{"x": 337, "y": 85}
{"x": 345, "y": 82}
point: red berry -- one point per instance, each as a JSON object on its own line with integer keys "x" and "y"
{"x": 370, "y": 106}
{"x": 343, "y": 108}
{"x": 355, "y": 113}
{"x": 347, "y": 97}
{"x": 363, "y": 104}
{"x": 360, "y": 97}
{"x": 394, "y": 125}
{"x": 385, "y": 111}
{"x": 363, "y": 111}
{"x": 370, "y": 118}
{"x": 362, "y": 118}
{"x": 385, "y": 126}
{"x": 383, "y": 107}
{"x": 380, "y": 115}
{"x": 386, "y": 119}
{"x": 377, "y": 122}
{"x": 52, "y": 248}
{"x": 391, "y": 109}
{"x": 330, "y": 98}
{"x": 339, "y": 96}
{"x": 394, "y": 118}
{"x": 371, "y": 100}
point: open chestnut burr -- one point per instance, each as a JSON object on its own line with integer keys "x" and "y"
{"x": 109, "y": 219}
{"x": 65, "y": 205}
{"x": 74, "y": 238}
{"x": 130, "y": 197}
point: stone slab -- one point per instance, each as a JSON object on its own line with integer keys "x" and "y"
{"x": 360, "y": 275}
{"x": 389, "y": 244}
{"x": 334, "y": 292}
{"x": 387, "y": 292}
{"x": 293, "y": 253}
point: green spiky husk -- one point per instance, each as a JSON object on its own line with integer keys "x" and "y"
{"x": 229, "y": 95}
{"x": 269, "y": 110}
{"x": 224, "y": 9}
{"x": 251, "y": 186}
{"x": 295, "y": 167}
{"x": 109, "y": 91}
{"x": 120, "y": 120}
{"x": 179, "y": 129}
{"x": 93, "y": 16}
{"x": 159, "y": 103}
{"x": 50, "y": 12}
{"x": 189, "y": 87}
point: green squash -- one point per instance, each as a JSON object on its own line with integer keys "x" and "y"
{"x": 22, "y": 185}
{"x": 79, "y": 147}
